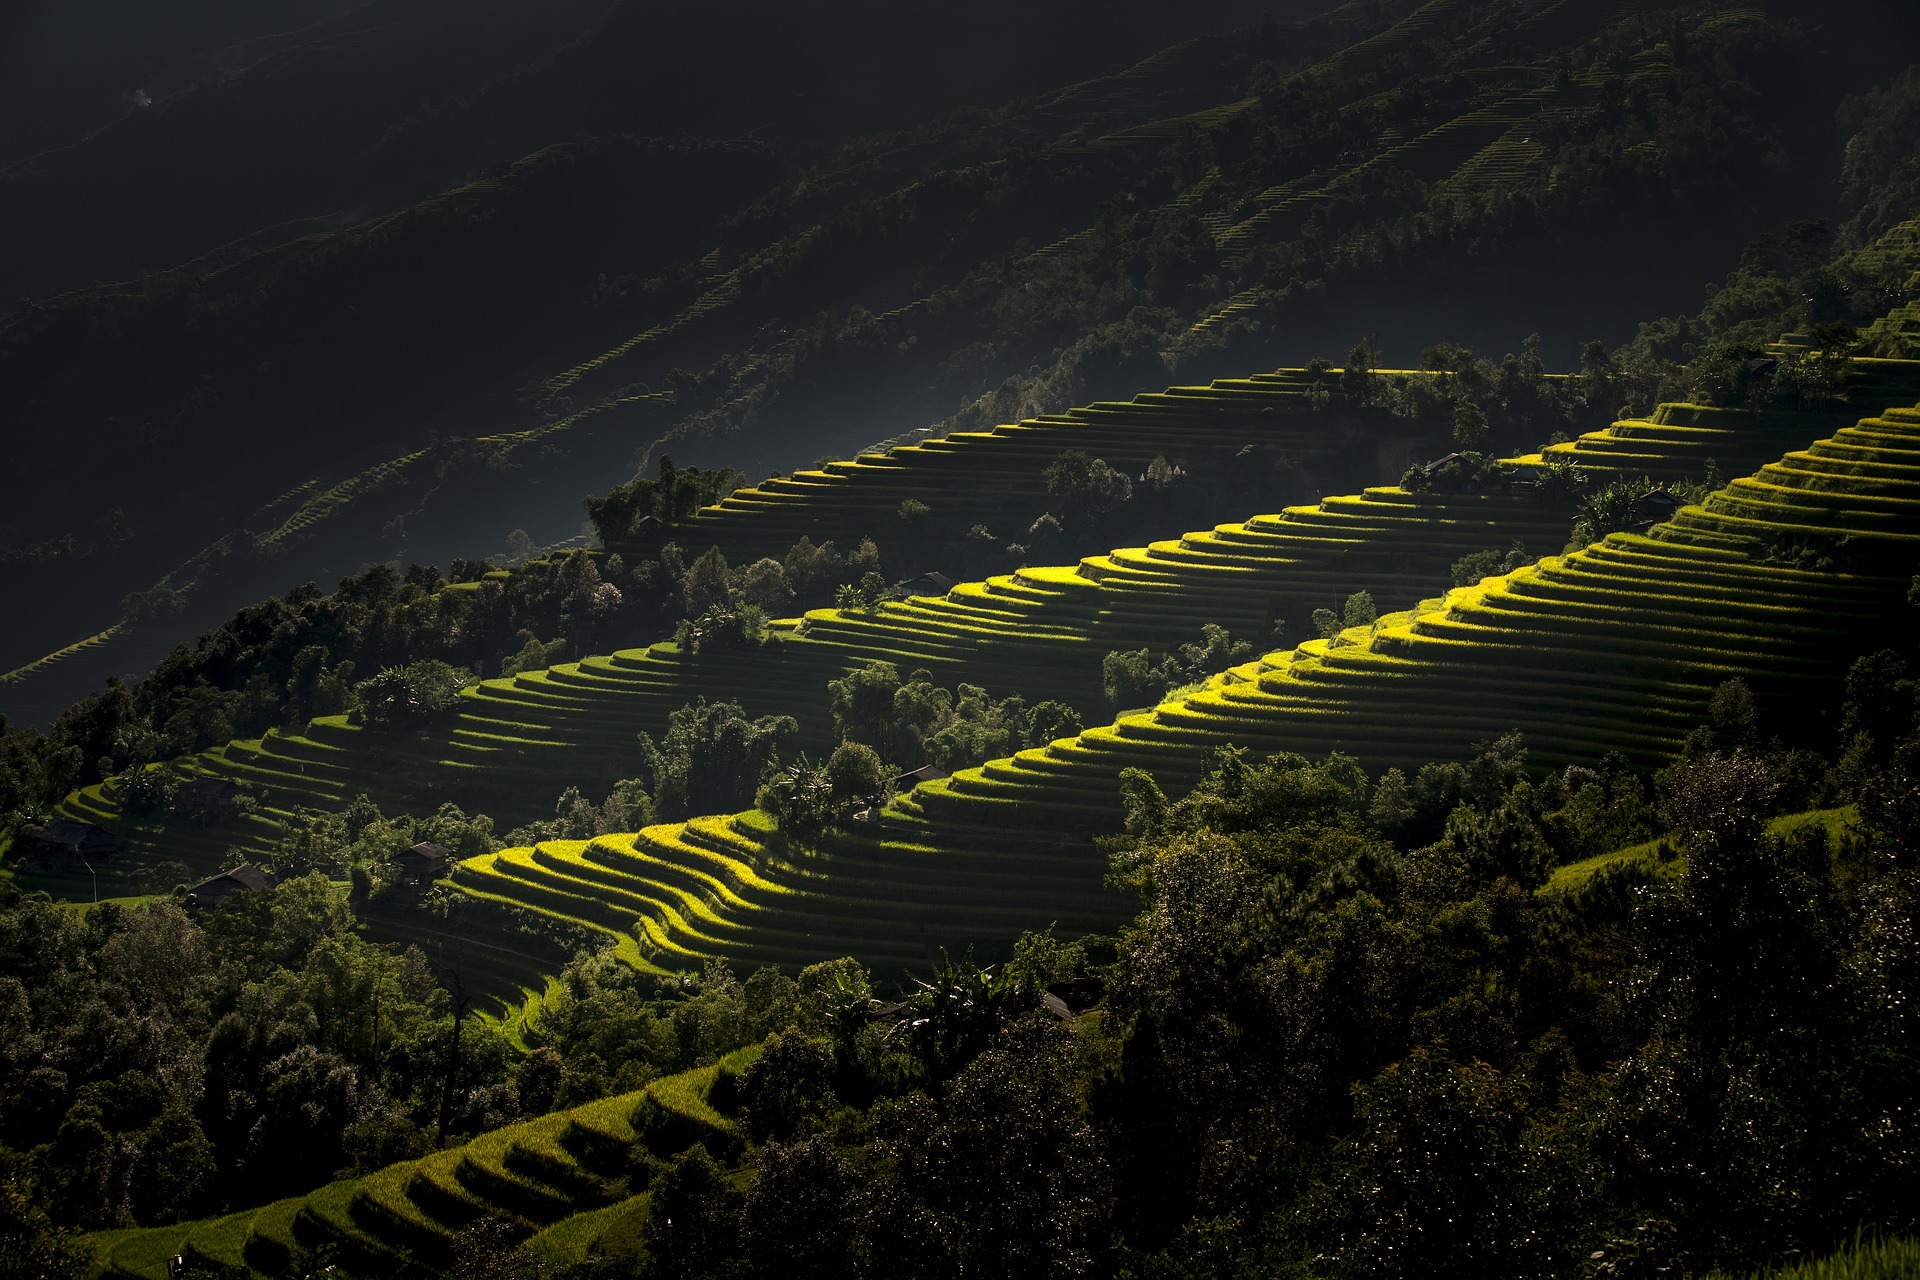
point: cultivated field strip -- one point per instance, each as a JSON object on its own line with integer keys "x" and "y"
{"x": 402, "y": 1220}
{"x": 1674, "y": 442}
{"x": 679, "y": 894}
{"x": 1615, "y": 647}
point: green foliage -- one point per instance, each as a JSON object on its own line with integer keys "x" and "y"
{"x": 799, "y": 1217}
{"x": 672, "y": 499}
{"x": 1470, "y": 425}
{"x": 363, "y": 837}
{"x": 1611, "y": 509}
{"x": 412, "y": 695}
{"x": 1450, "y": 1170}
{"x": 1487, "y": 564}
{"x": 708, "y": 584}
{"x": 249, "y": 1066}
{"x": 30, "y": 1244}
{"x": 712, "y": 758}
{"x": 1089, "y": 488}
{"x": 1865, "y": 1257}
{"x": 1133, "y": 678}
{"x": 723, "y": 628}
{"x": 855, "y": 771}
{"x": 1463, "y": 472}
{"x": 800, "y": 797}
{"x": 913, "y": 721}
{"x": 627, "y": 807}
{"x": 788, "y": 1085}
{"x": 534, "y": 655}
{"x": 693, "y": 1223}
{"x": 1130, "y": 679}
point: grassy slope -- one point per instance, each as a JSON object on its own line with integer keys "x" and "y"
{"x": 555, "y": 1179}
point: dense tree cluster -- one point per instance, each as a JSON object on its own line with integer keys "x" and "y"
{"x": 1349, "y": 1035}
{"x": 912, "y": 721}
{"x": 161, "y": 1063}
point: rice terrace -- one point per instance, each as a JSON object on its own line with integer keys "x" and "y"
{"x": 1056, "y": 640}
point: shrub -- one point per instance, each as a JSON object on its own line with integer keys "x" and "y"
{"x": 1468, "y": 570}
{"x": 723, "y": 627}
{"x": 1130, "y": 679}
{"x": 854, "y": 770}
{"x": 416, "y": 693}
{"x": 712, "y": 758}
{"x": 799, "y": 798}
{"x": 1610, "y": 510}
{"x": 1089, "y": 488}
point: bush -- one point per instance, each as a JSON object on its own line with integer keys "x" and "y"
{"x": 1468, "y": 570}
{"x": 1089, "y": 488}
{"x": 854, "y": 770}
{"x": 723, "y": 627}
{"x": 1130, "y": 679}
{"x": 417, "y": 693}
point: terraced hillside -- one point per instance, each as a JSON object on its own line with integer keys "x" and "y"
{"x": 556, "y": 1182}
{"x": 1615, "y": 647}
{"x": 518, "y": 742}
{"x": 968, "y": 474}
{"x": 1674, "y": 441}
{"x": 671, "y": 896}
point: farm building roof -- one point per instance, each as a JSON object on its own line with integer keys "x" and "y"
{"x": 68, "y": 834}
{"x": 914, "y": 777}
{"x": 244, "y": 876}
{"x": 932, "y": 582}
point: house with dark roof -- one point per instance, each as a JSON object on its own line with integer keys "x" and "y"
{"x": 64, "y": 842}
{"x": 914, "y": 777}
{"x": 930, "y": 583}
{"x": 1655, "y": 507}
{"x": 424, "y": 863}
{"x": 241, "y": 879}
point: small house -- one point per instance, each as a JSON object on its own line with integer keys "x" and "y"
{"x": 62, "y": 843}
{"x": 647, "y": 528}
{"x": 1655, "y": 507}
{"x": 424, "y": 863}
{"x": 931, "y": 583}
{"x": 241, "y": 879}
{"x": 913, "y": 778}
